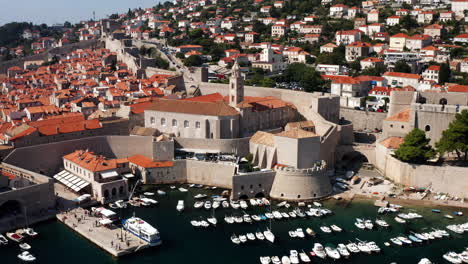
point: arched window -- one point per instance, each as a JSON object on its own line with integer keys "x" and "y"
{"x": 197, "y": 124}
{"x": 163, "y": 121}
{"x": 114, "y": 191}
{"x": 422, "y": 100}
{"x": 427, "y": 128}
{"x": 443, "y": 101}
{"x": 186, "y": 123}
{"x": 174, "y": 122}
{"x": 152, "y": 120}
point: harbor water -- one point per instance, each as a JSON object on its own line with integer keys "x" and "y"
{"x": 183, "y": 243}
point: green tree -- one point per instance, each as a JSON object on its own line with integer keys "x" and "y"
{"x": 193, "y": 60}
{"x": 455, "y": 137}
{"x": 402, "y": 66}
{"x": 416, "y": 148}
{"x": 444, "y": 74}
{"x": 378, "y": 70}
{"x": 306, "y": 76}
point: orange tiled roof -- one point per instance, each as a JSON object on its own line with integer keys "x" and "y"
{"x": 392, "y": 142}
{"x": 146, "y": 162}
{"x": 403, "y": 116}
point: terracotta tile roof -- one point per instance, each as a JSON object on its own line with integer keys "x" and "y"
{"x": 297, "y": 133}
{"x": 263, "y": 138}
{"x": 403, "y": 116}
{"x": 194, "y": 108}
{"x": 90, "y": 161}
{"x": 392, "y": 142}
{"x": 458, "y": 88}
{"x": 402, "y": 75}
{"x": 214, "y": 97}
{"x": 146, "y": 162}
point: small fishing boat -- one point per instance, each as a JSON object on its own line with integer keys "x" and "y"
{"x": 243, "y": 204}
{"x": 343, "y": 250}
{"x": 235, "y": 240}
{"x": 436, "y": 211}
{"x": 453, "y": 257}
{"x": 195, "y": 223}
{"x": 235, "y": 205}
{"x": 399, "y": 220}
{"x": 161, "y": 192}
{"x": 212, "y": 220}
{"x": 30, "y": 232}
{"x": 238, "y": 219}
{"x": 458, "y": 213}
{"x": 243, "y": 238}
{"x": 282, "y": 204}
{"x": 360, "y": 224}
{"x": 256, "y": 218}
{"x": 448, "y": 216}
{"x": 284, "y": 215}
{"x": 207, "y": 205}
{"x": 229, "y": 219}
{"x": 259, "y": 235}
{"x": 225, "y": 204}
{"x": 198, "y": 204}
{"x": 275, "y": 260}
{"x": 26, "y": 256}
{"x": 404, "y": 240}
{"x": 292, "y": 233}
{"x": 317, "y": 204}
{"x": 386, "y": 244}
{"x": 200, "y": 196}
{"x": 368, "y": 224}
{"x": 300, "y": 233}
{"x": 381, "y": 222}
{"x": 253, "y": 202}
{"x": 25, "y": 246}
{"x": 414, "y": 239}
{"x": 181, "y": 189}
{"x": 425, "y": 261}
{"x": 292, "y": 214}
{"x": 172, "y": 187}
{"x": 269, "y": 235}
{"x": 247, "y": 218}
{"x": 336, "y": 228}
{"x": 148, "y": 193}
{"x": 216, "y": 204}
{"x": 310, "y": 232}
{"x": 285, "y": 260}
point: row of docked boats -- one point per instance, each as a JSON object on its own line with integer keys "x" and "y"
{"x": 259, "y": 235}
{"x": 391, "y": 208}
{"x": 368, "y": 224}
{"x": 222, "y": 202}
{"x": 457, "y": 258}
{"x": 275, "y": 215}
{"x": 18, "y": 236}
{"x": 459, "y": 229}
{"x": 415, "y": 238}
{"x": 294, "y": 257}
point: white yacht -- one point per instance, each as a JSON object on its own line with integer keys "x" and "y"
{"x": 300, "y": 233}
{"x": 259, "y": 235}
{"x": 319, "y": 251}
{"x": 363, "y": 247}
{"x": 143, "y": 230}
{"x": 269, "y": 235}
{"x": 304, "y": 258}
{"x": 250, "y": 236}
{"x": 212, "y": 220}
{"x": 352, "y": 247}
{"x": 453, "y": 257}
{"x": 265, "y": 260}
{"x": 343, "y": 250}
{"x": 235, "y": 239}
{"x": 336, "y": 228}
{"x": 373, "y": 246}
{"x": 325, "y": 229}
{"x": 180, "y": 205}
{"x": 198, "y": 204}
{"x": 332, "y": 253}
{"x": 294, "y": 256}
{"x": 285, "y": 260}
{"x": 26, "y": 256}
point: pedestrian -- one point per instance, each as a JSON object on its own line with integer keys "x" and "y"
{"x": 112, "y": 243}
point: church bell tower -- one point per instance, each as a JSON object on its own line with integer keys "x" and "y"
{"x": 236, "y": 86}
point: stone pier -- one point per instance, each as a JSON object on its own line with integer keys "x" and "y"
{"x": 115, "y": 241}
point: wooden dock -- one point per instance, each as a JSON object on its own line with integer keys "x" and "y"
{"x": 116, "y": 242}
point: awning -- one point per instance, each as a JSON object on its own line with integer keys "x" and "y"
{"x": 71, "y": 181}
{"x": 109, "y": 174}
{"x": 105, "y": 221}
{"x": 128, "y": 175}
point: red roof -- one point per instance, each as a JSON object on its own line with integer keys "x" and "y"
{"x": 146, "y": 162}
{"x": 458, "y": 88}
{"x": 402, "y": 75}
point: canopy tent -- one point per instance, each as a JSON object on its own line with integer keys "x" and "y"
{"x": 71, "y": 181}
{"x": 105, "y": 221}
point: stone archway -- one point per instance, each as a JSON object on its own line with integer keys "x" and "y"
{"x": 353, "y": 160}
{"x": 11, "y": 208}
{"x": 259, "y": 195}
{"x": 243, "y": 197}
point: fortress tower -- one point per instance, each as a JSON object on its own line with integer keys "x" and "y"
{"x": 236, "y": 86}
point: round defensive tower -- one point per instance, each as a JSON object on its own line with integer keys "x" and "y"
{"x": 301, "y": 184}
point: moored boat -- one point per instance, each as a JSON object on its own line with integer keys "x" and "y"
{"x": 142, "y": 230}
{"x": 15, "y": 237}
{"x": 180, "y": 205}
{"x": 26, "y": 256}
{"x": 25, "y": 246}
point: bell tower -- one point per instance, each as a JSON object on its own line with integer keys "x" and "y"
{"x": 236, "y": 86}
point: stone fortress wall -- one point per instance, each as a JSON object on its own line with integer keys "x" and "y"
{"x": 363, "y": 120}
{"x": 48, "y": 54}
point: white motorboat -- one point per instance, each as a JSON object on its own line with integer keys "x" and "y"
{"x": 269, "y": 235}
{"x": 256, "y": 218}
{"x": 343, "y": 250}
{"x": 292, "y": 233}
{"x": 259, "y": 236}
{"x": 300, "y": 233}
{"x": 396, "y": 241}
{"x": 363, "y": 247}
{"x": 425, "y": 261}
{"x": 182, "y": 189}
{"x": 243, "y": 238}
{"x": 148, "y": 193}
{"x": 30, "y": 232}
{"x": 3, "y": 240}
{"x": 235, "y": 239}
{"x": 200, "y": 196}
{"x": 453, "y": 257}
{"x": 26, "y": 256}
{"x": 247, "y": 218}
{"x": 464, "y": 256}
{"x": 360, "y": 224}
{"x": 336, "y": 228}
{"x": 235, "y": 205}
{"x": 304, "y": 258}
{"x": 207, "y": 205}
{"x": 319, "y": 251}
{"x": 422, "y": 236}
{"x": 454, "y": 228}
{"x": 368, "y": 224}
{"x": 161, "y": 192}
{"x": 142, "y": 230}
{"x": 294, "y": 256}
{"x": 253, "y": 202}
{"x": 25, "y": 246}
{"x": 399, "y": 220}
{"x": 373, "y": 246}
{"x": 332, "y": 253}
{"x": 292, "y": 214}
{"x": 148, "y": 201}
{"x": 352, "y": 247}
{"x": 212, "y": 220}
{"x": 250, "y": 236}
{"x": 265, "y": 201}
{"x": 180, "y": 205}
{"x": 429, "y": 236}
{"x": 121, "y": 204}
{"x": 448, "y": 216}
{"x": 381, "y": 223}
{"x": 281, "y": 204}
{"x": 310, "y": 232}
{"x": 284, "y": 215}
{"x": 216, "y": 204}
{"x": 285, "y": 260}
{"x": 265, "y": 260}
{"x": 325, "y": 229}
{"x": 275, "y": 260}
{"x": 277, "y": 215}
{"x": 14, "y": 236}
{"x": 225, "y": 204}
{"x": 172, "y": 187}
{"x": 317, "y": 204}
{"x": 243, "y": 204}
{"x": 195, "y": 223}
{"x": 229, "y": 219}
{"x": 404, "y": 240}
{"x": 198, "y": 204}
{"x": 269, "y": 215}
{"x": 204, "y": 223}
{"x": 238, "y": 219}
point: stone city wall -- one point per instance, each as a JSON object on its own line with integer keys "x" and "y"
{"x": 363, "y": 120}
{"x": 252, "y": 184}
{"x": 46, "y": 55}
{"x": 238, "y": 146}
{"x": 210, "y": 173}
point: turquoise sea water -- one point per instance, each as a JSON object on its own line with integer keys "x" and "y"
{"x": 183, "y": 243}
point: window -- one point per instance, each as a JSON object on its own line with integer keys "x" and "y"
{"x": 427, "y": 128}
{"x": 174, "y": 122}
{"x": 152, "y": 120}
{"x": 197, "y": 124}
{"x": 402, "y": 127}
{"x": 391, "y": 125}
{"x": 186, "y": 123}
{"x": 163, "y": 121}
{"x": 242, "y": 187}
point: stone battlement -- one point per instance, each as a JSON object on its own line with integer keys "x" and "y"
{"x": 318, "y": 167}
{"x": 438, "y": 108}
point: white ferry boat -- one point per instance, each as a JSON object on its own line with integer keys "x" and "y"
{"x": 143, "y": 230}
